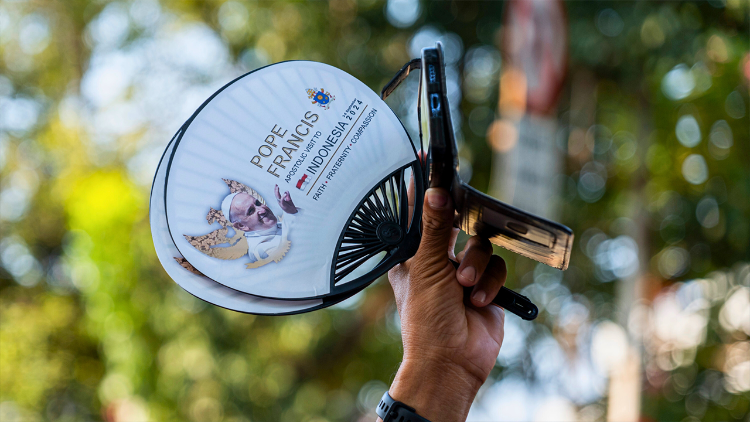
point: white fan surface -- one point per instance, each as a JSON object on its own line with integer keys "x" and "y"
{"x": 229, "y": 136}
{"x": 200, "y": 286}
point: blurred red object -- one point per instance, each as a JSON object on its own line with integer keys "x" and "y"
{"x": 536, "y": 41}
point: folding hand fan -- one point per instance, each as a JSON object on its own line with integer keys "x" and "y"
{"x": 290, "y": 183}
{"x": 201, "y": 286}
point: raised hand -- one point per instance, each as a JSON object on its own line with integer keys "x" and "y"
{"x": 450, "y": 342}
{"x": 285, "y": 201}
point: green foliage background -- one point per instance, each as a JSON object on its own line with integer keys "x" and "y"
{"x": 92, "y": 328}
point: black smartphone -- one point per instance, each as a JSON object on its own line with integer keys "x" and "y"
{"x": 477, "y": 213}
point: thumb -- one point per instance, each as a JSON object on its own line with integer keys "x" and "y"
{"x": 437, "y": 225}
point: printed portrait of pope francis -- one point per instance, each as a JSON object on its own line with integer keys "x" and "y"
{"x": 258, "y": 233}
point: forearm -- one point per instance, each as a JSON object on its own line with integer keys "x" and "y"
{"x": 438, "y": 392}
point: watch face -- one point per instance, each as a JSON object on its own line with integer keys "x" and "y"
{"x": 289, "y": 183}
{"x": 195, "y": 283}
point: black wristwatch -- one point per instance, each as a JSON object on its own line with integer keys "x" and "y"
{"x": 391, "y": 410}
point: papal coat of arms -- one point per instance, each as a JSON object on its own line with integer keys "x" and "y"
{"x": 321, "y": 97}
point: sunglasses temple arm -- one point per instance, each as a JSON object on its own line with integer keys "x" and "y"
{"x": 510, "y": 301}
{"x": 415, "y": 64}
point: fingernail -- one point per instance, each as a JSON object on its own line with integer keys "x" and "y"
{"x": 479, "y": 296}
{"x": 437, "y": 199}
{"x": 469, "y": 273}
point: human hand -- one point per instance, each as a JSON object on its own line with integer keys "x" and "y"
{"x": 285, "y": 202}
{"x": 450, "y": 343}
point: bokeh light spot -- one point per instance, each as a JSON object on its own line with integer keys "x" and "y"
{"x": 735, "y": 313}
{"x": 687, "y": 130}
{"x": 481, "y": 67}
{"x": 717, "y": 49}
{"x": 735, "y": 105}
{"x": 402, "y": 13}
{"x": 694, "y": 169}
{"x": 609, "y": 345}
{"x": 34, "y": 34}
{"x": 652, "y": 34}
{"x": 673, "y": 262}
{"x": 707, "y": 212}
{"x": 721, "y": 139}
{"x": 609, "y": 23}
{"x": 592, "y": 181}
{"x": 616, "y": 258}
{"x": 502, "y": 135}
{"x": 678, "y": 83}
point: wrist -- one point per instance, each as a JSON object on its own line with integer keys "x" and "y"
{"x": 437, "y": 390}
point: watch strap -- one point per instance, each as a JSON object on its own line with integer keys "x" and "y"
{"x": 391, "y": 410}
